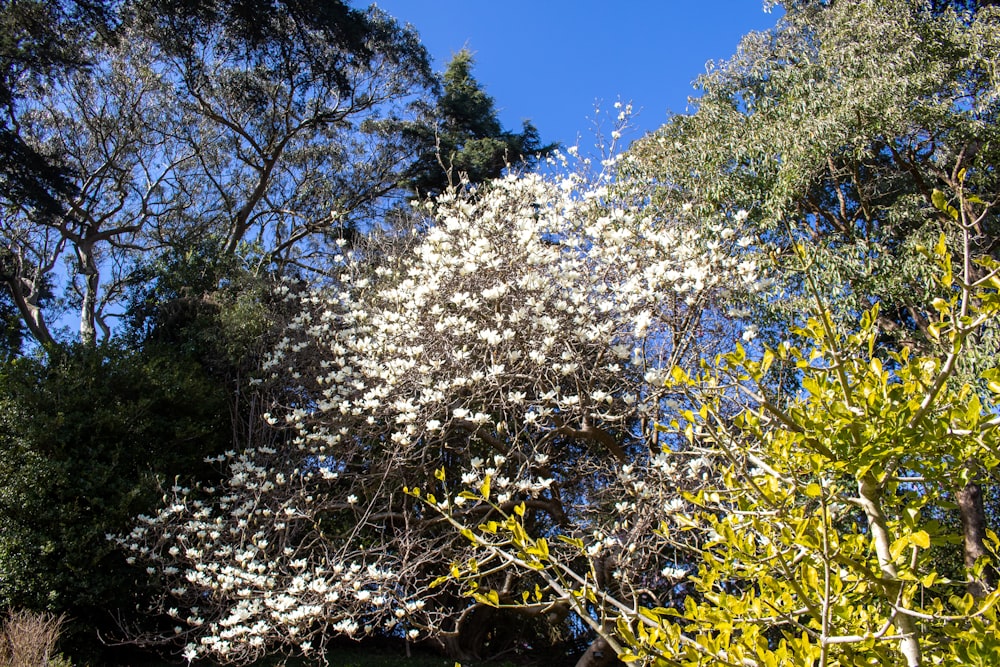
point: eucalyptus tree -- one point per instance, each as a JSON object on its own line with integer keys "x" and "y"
{"x": 250, "y": 128}
{"x": 288, "y": 110}
{"x": 38, "y": 39}
{"x": 106, "y": 124}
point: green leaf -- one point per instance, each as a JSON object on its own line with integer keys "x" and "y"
{"x": 765, "y": 364}
{"x": 940, "y": 202}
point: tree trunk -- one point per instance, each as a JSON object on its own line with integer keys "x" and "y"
{"x": 970, "y": 507}
{"x": 870, "y": 495}
{"x": 88, "y": 311}
{"x": 468, "y": 641}
{"x": 25, "y": 296}
{"x": 599, "y": 654}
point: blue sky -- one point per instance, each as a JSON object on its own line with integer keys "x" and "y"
{"x": 550, "y": 61}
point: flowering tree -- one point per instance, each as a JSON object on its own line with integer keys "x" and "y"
{"x": 518, "y": 343}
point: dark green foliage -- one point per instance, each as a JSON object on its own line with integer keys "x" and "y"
{"x": 37, "y": 38}
{"x": 11, "y": 329}
{"x": 86, "y": 440}
{"x": 266, "y": 33}
{"x": 462, "y": 135}
{"x": 202, "y": 304}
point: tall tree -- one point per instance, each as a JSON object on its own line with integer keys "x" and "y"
{"x": 462, "y": 137}
{"x": 39, "y": 39}
{"x": 196, "y": 124}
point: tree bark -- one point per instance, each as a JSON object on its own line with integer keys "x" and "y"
{"x": 870, "y": 496}
{"x": 88, "y": 310}
{"x": 599, "y": 654}
{"x": 466, "y": 644}
{"x": 25, "y": 297}
{"x": 970, "y": 507}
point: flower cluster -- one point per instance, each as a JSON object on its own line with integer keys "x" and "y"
{"x": 242, "y": 570}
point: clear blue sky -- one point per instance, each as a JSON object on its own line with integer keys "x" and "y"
{"x": 550, "y": 60}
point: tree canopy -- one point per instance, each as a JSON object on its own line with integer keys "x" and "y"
{"x": 461, "y": 137}
{"x": 198, "y": 125}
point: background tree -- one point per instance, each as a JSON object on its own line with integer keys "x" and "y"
{"x": 834, "y": 130}
{"x": 195, "y": 125}
{"x": 462, "y": 136}
{"x": 40, "y": 38}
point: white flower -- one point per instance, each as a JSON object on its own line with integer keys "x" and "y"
{"x": 352, "y": 499}
{"x": 642, "y": 322}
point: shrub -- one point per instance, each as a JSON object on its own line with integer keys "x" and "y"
{"x": 29, "y": 639}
